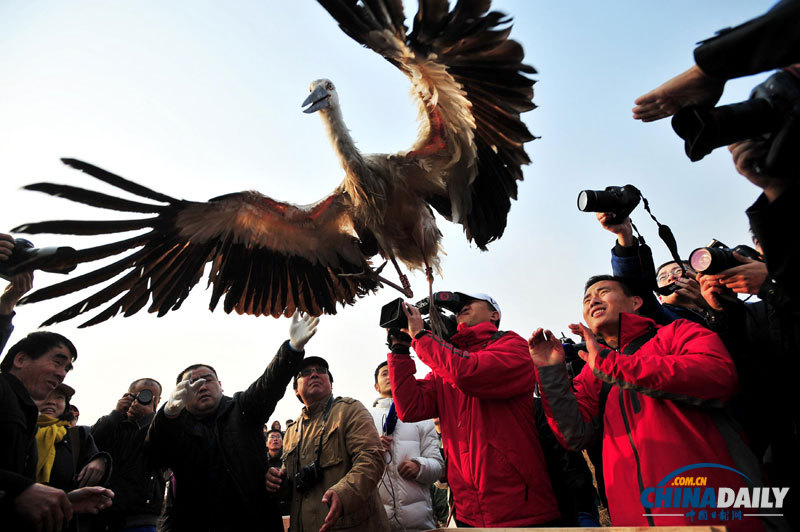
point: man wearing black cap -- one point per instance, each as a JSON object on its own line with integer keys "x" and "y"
{"x": 481, "y": 388}
{"x": 214, "y": 444}
{"x": 333, "y": 458}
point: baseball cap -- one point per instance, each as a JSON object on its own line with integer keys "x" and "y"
{"x": 482, "y": 297}
{"x": 312, "y": 361}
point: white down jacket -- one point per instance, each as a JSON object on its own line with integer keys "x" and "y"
{"x": 408, "y": 502}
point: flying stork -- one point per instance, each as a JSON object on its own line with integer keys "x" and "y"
{"x": 273, "y": 258}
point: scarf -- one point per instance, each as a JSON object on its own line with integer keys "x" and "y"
{"x": 51, "y": 431}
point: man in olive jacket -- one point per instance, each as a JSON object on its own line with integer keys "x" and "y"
{"x": 335, "y": 447}
{"x": 214, "y": 444}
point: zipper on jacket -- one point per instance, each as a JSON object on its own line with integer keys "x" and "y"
{"x": 650, "y": 521}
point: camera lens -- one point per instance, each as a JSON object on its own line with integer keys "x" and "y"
{"x": 584, "y": 199}
{"x": 145, "y": 397}
{"x": 700, "y": 259}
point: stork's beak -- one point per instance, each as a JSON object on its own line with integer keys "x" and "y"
{"x": 319, "y": 98}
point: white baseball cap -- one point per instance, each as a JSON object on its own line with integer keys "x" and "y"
{"x": 483, "y": 297}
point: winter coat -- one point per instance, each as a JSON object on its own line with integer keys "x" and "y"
{"x": 18, "y": 455}
{"x": 138, "y": 486}
{"x": 352, "y": 465}
{"x": 482, "y": 391}
{"x": 219, "y": 462}
{"x": 408, "y": 502}
{"x": 663, "y": 412}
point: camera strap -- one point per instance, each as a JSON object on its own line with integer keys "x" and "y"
{"x": 321, "y": 435}
{"x": 646, "y": 255}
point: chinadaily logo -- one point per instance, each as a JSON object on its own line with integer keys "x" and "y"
{"x": 689, "y": 493}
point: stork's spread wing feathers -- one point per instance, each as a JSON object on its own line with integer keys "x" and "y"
{"x": 267, "y": 257}
{"x": 470, "y": 80}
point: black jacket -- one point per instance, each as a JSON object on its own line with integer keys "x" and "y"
{"x": 138, "y": 486}
{"x": 220, "y": 462}
{"x": 18, "y": 415}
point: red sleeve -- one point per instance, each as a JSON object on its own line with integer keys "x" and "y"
{"x": 684, "y": 362}
{"x": 501, "y": 370}
{"x": 415, "y": 400}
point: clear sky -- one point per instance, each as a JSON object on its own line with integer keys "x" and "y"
{"x": 201, "y": 98}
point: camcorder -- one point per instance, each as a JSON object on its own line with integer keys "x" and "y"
{"x": 772, "y": 113}
{"x": 619, "y": 201}
{"x": 308, "y": 477}
{"x": 717, "y": 257}
{"x": 446, "y": 304}
{"x": 25, "y": 257}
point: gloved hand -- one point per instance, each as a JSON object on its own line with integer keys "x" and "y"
{"x": 301, "y": 330}
{"x": 176, "y": 401}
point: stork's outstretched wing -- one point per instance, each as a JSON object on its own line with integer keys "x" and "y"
{"x": 266, "y": 257}
{"x": 470, "y": 80}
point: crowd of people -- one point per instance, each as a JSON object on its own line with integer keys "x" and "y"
{"x": 503, "y": 431}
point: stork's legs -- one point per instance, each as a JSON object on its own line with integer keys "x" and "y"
{"x": 403, "y": 278}
{"x": 375, "y": 274}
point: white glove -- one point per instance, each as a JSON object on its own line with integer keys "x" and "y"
{"x": 301, "y": 330}
{"x": 176, "y": 401}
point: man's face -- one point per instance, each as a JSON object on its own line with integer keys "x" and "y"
{"x": 53, "y": 405}
{"x": 137, "y": 410}
{"x": 274, "y": 442}
{"x": 40, "y": 376}
{"x": 313, "y": 384}
{"x": 476, "y": 311}
{"x": 667, "y": 274}
{"x": 384, "y": 386}
{"x": 205, "y": 399}
{"x": 602, "y": 304}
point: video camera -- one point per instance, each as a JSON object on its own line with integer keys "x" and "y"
{"x": 447, "y": 305}
{"x": 25, "y": 258}
{"x": 717, "y": 257}
{"x": 772, "y": 112}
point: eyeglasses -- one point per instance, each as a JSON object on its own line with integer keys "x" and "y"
{"x": 675, "y": 272}
{"x": 308, "y": 371}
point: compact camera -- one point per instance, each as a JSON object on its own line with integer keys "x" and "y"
{"x": 308, "y": 477}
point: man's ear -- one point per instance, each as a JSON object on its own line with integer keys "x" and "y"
{"x": 377, "y": 389}
{"x": 637, "y": 303}
{"x": 19, "y": 360}
{"x": 494, "y": 316}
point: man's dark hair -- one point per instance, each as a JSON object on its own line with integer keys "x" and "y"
{"x": 193, "y": 367}
{"x": 151, "y": 382}
{"x": 626, "y": 289}
{"x": 686, "y": 264}
{"x": 35, "y": 345}
{"x": 378, "y": 369}
{"x": 270, "y": 431}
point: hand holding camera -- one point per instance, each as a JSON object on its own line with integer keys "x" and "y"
{"x": 415, "y": 323}
{"x": 622, "y": 229}
{"x": 746, "y": 278}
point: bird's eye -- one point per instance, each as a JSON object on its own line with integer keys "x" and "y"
{"x": 329, "y": 86}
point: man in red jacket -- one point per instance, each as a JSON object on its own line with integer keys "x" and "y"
{"x": 481, "y": 388}
{"x": 655, "y": 394}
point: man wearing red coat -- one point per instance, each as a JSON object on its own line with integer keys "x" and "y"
{"x": 481, "y": 388}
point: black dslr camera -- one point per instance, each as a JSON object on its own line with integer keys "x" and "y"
{"x": 25, "y": 258}
{"x": 717, "y": 257}
{"x": 308, "y": 477}
{"x": 145, "y": 397}
{"x": 394, "y": 319}
{"x": 620, "y": 201}
{"x": 772, "y": 112}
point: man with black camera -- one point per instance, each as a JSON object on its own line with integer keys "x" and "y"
{"x": 333, "y": 459}
{"x": 138, "y": 485}
{"x": 481, "y": 388}
{"x": 214, "y": 444}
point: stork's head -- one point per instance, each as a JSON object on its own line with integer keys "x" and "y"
{"x": 323, "y": 95}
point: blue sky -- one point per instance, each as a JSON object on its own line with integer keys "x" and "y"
{"x": 201, "y": 98}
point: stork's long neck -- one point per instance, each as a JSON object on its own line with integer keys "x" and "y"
{"x": 349, "y": 156}
{"x": 367, "y": 190}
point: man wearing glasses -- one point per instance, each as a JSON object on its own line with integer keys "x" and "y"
{"x": 214, "y": 443}
{"x": 332, "y": 458}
